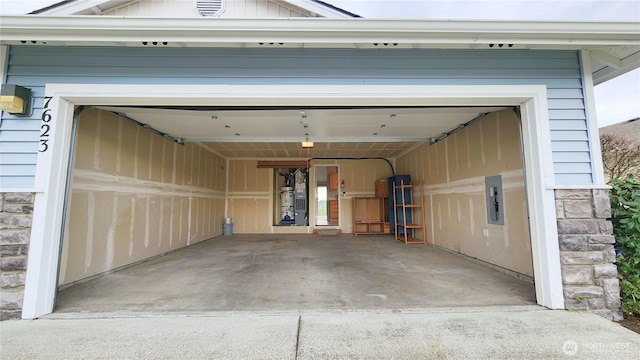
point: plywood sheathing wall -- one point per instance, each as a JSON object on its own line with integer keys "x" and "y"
{"x": 251, "y": 194}
{"x": 135, "y": 195}
{"x": 453, "y": 172}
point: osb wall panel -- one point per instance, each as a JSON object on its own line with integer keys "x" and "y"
{"x": 135, "y": 195}
{"x": 453, "y": 173}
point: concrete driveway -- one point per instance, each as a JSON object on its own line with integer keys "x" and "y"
{"x": 516, "y": 332}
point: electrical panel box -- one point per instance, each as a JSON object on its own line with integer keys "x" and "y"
{"x": 494, "y": 199}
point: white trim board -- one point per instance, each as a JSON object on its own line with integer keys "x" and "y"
{"x": 592, "y": 121}
{"x": 82, "y": 30}
{"x": 52, "y": 165}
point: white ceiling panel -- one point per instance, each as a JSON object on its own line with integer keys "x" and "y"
{"x": 359, "y": 132}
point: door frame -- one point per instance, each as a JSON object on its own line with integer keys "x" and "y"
{"x": 315, "y": 206}
{"x": 51, "y": 168}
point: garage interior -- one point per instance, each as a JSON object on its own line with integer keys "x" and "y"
{"x": 188, "y": 209}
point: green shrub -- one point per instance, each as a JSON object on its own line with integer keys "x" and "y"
{"x": 625, "y": 216}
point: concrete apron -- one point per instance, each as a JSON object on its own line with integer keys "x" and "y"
{"x": 524, "y": 332}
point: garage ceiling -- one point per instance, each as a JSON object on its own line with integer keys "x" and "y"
{"x": 277, "y": 132}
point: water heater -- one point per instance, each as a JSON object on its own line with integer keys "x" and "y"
{"x": 286, "y": 203}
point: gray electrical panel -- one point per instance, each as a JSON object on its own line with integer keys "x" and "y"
{"x": 494, "y": 199}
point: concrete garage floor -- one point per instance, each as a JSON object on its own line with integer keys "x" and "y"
{"x": 297, "y": 272}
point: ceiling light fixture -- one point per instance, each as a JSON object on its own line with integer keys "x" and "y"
{"x": 306, "y": 144}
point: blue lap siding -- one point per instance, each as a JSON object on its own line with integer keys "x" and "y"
{"x": 36, "y": 66}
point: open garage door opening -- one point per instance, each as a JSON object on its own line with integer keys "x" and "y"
{"x": 147, "y": 209}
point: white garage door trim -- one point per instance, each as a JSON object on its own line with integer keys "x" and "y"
{"x": 51, "y": 167}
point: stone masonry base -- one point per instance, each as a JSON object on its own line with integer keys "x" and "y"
{"x": 587, "y": 256}
{"x": 15, "y": 229}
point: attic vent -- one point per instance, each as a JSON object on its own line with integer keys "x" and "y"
{"x": 209, "y": 7}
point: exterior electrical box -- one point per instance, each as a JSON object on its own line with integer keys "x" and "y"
{"x": 494, "y": 199}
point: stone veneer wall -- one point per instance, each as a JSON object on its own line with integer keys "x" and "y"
{"x": 587, "y": 255}
{"x": 15, "y": 230}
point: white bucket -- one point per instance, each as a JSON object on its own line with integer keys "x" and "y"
{"x": 227, "y": 220}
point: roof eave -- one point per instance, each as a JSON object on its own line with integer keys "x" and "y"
{"x": 315, "y": 31}
{"x": 326, "y": 33}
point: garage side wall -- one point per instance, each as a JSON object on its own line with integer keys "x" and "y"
{"x": 453, "y": 172}
{"x": 135, "y": 195}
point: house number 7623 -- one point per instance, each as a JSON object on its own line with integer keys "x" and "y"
{"x": 45, "y": 127}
